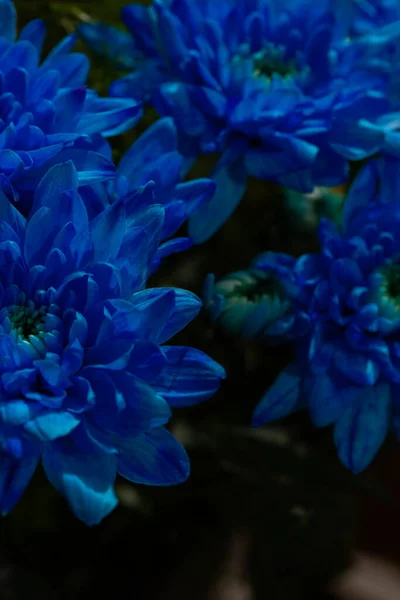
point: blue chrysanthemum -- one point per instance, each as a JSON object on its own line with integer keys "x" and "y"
{"x": 252, "y": 304}
{"x": 148, "y": 173}
{"x": 277, "y": 87}
{"x": 348, "y": 364}
{"x": 47, "y": 114}
{"x": 86, "y": 383}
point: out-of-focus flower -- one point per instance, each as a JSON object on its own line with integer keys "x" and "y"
{"x": 279, "y": 88}
{"x": 86, "y": 382}
{"x": 251, "y": 304}
{"x": 47, "y": 114}
{"x": 347, "y": 370}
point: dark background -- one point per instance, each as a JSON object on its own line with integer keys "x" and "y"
{"x": 266, "y": 514}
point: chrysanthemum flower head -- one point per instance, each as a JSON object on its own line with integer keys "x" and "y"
{"x": 86, "y": 382}
{"x": 278, "y": 88}
{"x": 47, "y": 114}
{"x": 347, "y": 369}
{"x": 252, "y": 304}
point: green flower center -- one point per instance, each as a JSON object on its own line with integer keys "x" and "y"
{"x": 27, "y": 320}
{"x": 393, "y": 283}
{"x": 390, "y": 287}
{"x": 266, "y": 63}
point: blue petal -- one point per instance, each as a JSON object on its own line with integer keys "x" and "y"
{"x": 91, "y": 166}
{"x": 159, "y": 139}
{"x": 281, "y": 398}
{"x": 164, "y": 250}
{"x": 154, "y": 458}
{"x": 188, "y": 377}
{"x": 35, "y": 33}
{"x": 231, "y": 182}
{"x": 52, "y": 374}
{"x": 10, "y": 215}
{"x": 144, "y": 408}
{"x": 173, "y": 99}
{"x": 108, "y": 279}
{"x": 18, "y": 381}
{"x": 61, "y": 49}
{"x": 325, "y": 400}
{"x": 358, "y": 368}
{"x": 361, "y": 192}
{"x": 58, "y": 179}
{"x": 35, "y": 247}
{"x": 15, "y": 476}
{"x": 78, "y": 291}
{"x": 147, "y": 77}
{"x": 18, "y": 412}
{"x": 8, "y": 20}
{"x": 86, "y": 480}
{"x": 110, "y": 225}
{"x": 361, "y": 430}
{"x": 117, "y": 45}
{"x": 69, "y": 106}
{"x": 109, "y": 402}
{"x": 168, "y": 25}
{"x": 172, "y": 307}
{"x": 110, "y": 116}
{"x": 194, "y": 193}
{"x": 292, "y": 155}
{"x": 20, "y": 54}
{"x": 10, "y": 162}
{"x": 365, "y": 138}
{"x": 52, "y": 425}
{"x": 137, "y": 18}
{"x": 317, "y": 49}
{"x": 81, "y": 396}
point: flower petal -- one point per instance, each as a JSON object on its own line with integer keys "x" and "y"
{"x": 188, "y": 377}
{"x": 14, "y": 477}
{"x": 154, "y": 458}
{"x": 281, "y": 398}
{"x": 52, "y": 425}
{"x": 86, "y": 480}
{"x": 231, "y": 182}
{"x": 363, "y": 426}
{"x": 8, "y": 20}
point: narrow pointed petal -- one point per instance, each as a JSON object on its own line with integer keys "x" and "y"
{"x": 231, "y": 182}
{"x": 361, "y": 430}
{"x": 281, "y": 398}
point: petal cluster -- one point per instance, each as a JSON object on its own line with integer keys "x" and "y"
{"x": 47, "y": 114}
{"x": 86, "y": 380}
{"x": 369, "y": 15}
{"x": 347, "y": 367}
{"x": 280, "y": 89}
{"x": 150, "y": 173}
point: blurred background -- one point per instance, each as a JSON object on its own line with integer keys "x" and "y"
{"x": 266, "y": 514}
